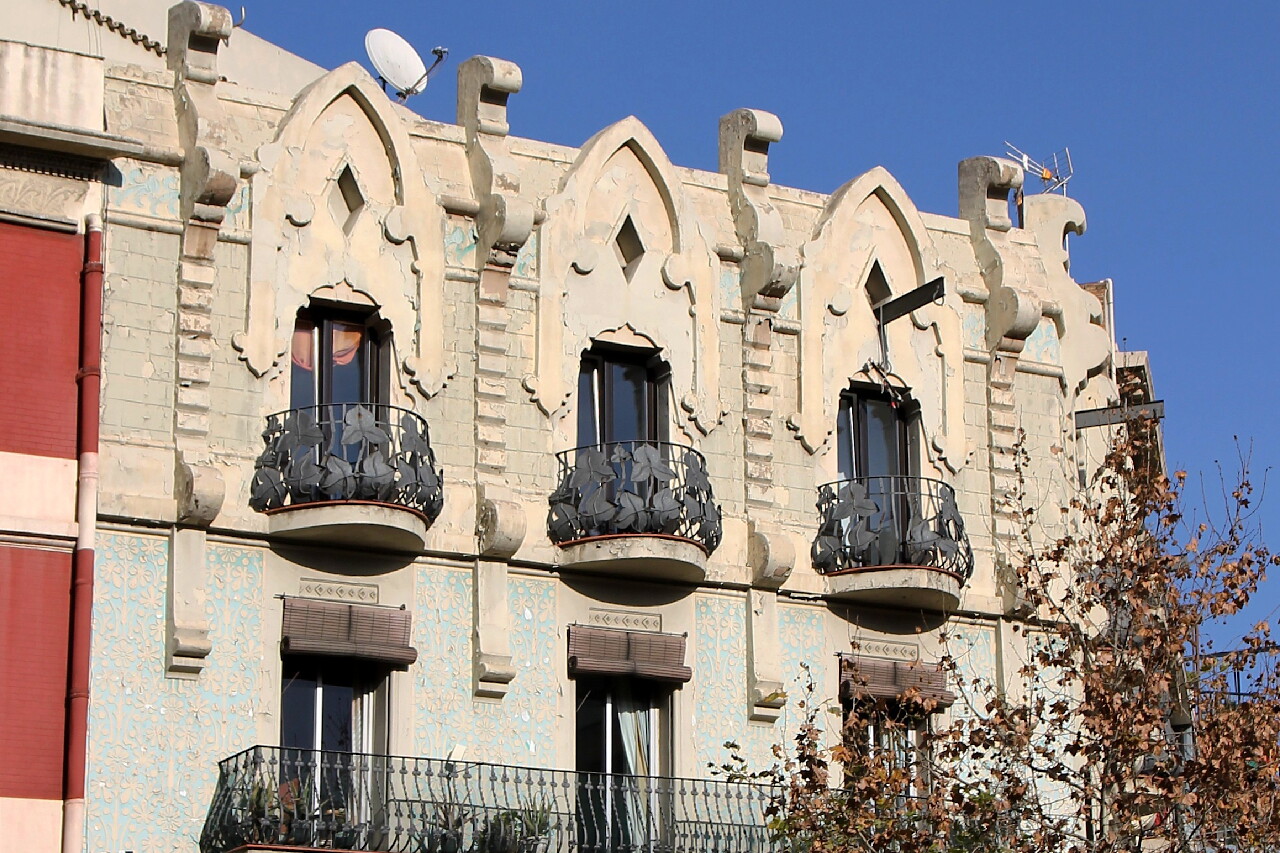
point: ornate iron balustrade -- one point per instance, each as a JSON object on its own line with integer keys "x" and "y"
{"x": 634, "y": 487}
{"x": 347, "y": 451}
{"x": 303, "y": 798}
{"x": 890, "y": 521}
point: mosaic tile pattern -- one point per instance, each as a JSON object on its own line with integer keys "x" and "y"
{"x": 520, "y": 728}
{"x": 155, "y": 742}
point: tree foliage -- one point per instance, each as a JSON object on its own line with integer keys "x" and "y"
{"x": 1122, "y": 731}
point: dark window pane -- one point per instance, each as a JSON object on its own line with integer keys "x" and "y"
{"x": 335, "y": 720}
{"x": 845, "y": 431}
{"x": 590, "y": 724}
{"x": 298, "y": 710}
{"x": 348, "y": 364}
{"x": 881, "y": 436}
{"x": 620, "y": 398}
{"x": 302, "y": 379}
{"x": 628, "y": 410}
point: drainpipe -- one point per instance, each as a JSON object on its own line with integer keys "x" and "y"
{"x": 89, "y": 379}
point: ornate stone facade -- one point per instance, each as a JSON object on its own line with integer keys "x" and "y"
{"x": 486, "y": 266}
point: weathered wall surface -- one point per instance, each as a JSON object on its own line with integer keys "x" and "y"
{"x": 493, "y": 262}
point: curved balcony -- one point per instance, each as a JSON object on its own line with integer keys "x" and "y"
{"x": 892, "y": 540}
{"x": 639, "y": 508}
{"x": 348, "y": 473}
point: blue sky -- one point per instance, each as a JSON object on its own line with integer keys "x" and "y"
{"x": 1170, "y": 111}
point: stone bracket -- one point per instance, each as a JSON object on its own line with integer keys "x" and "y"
{"x": 500, "y": 522}
{"x": 765, "y": 694}
{"x": 200, "y": 491}
{"x": 209, "y": 180}
{"x": 504, "y": 220}
{"x": 771, "y": 555}
{"x": 769, "y": 267}
{"x": 491, "y": 631}
{"x": 187, "y": 642}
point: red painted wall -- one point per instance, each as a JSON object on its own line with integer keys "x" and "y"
{"x": 39, "y": 339}
{"x": 35, "y": 600}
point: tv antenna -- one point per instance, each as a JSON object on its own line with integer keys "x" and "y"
{"x": 1054, "y": 171}
{"x": 398, "y": 64}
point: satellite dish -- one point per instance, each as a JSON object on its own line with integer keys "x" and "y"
{"x": 398, "y": 64}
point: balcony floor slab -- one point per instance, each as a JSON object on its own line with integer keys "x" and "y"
{"x": 362, "y": 524}
{"x": 639, "y": 556}
{"x": 911, "y": 587}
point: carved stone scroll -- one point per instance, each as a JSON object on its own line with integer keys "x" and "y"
{"x": 769, "y": 266}
{"x": 505, "y": 219}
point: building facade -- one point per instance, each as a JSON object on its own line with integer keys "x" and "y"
{"x": 430, "y": 441}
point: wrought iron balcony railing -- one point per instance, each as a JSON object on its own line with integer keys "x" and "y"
{"x": 634, "y": 487}
{"x": 890, "y": 521}
{"x": 303, "y": 798}
{"x": 344, "y": 452}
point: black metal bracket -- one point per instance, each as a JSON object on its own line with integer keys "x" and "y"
{"x": 910, "y": 301}
{"x": 1113, "y": 415}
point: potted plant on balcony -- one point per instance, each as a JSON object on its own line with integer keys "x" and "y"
{"x": 444, "y": 830}
{"x": 523, "y": 830}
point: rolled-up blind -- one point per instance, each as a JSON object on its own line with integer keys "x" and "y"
{"x": 337, "y": 629}
{"x": 874, "y": 678}
{"x": 639, "y": 654}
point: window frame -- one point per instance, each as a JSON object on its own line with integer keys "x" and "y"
{"x": 593, "y": 781}
{"x": 597, "y": 399}
{"x": 320, "y": 319}
{"x": 895, "y": 728}
{"x": 852, "y": 437}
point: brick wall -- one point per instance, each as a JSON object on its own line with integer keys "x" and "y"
{"x": 34, "y": 604}
{"x": 39, "y": 339}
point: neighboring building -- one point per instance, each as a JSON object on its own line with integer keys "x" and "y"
{"x": 425, "y": 440}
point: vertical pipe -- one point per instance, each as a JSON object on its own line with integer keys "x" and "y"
{"x": 90, "y": 382}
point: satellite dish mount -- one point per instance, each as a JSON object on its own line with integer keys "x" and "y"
{"x": 398, "y": 64}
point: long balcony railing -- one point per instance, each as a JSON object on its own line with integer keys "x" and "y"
{"x": 346, "y": 452}
{"x": 891, "y": 521}
{"x": 634, "y": 487}
{"x": 302, "y": 798}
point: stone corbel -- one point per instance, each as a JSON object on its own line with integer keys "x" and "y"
{"x": 491, "y": 630}
{"x": 500, "y": 529}
{"x": 771, "y": 555}
{"x": 985, "y": 184}
{"x": 210, "y": 175}
{"x": 200, "y": 491}
{"x": 769, "y": 267}
{"x": 500, "y": 522}
{"x": 186, "y": 625}
{"x": 765, "y": 693}
{"x": 505, "y": 220}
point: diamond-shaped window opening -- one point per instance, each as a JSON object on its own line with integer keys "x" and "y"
{"x": 345, "y": 199}
{"x": 878, "y": 293}
{"x": 628, "y": 247}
